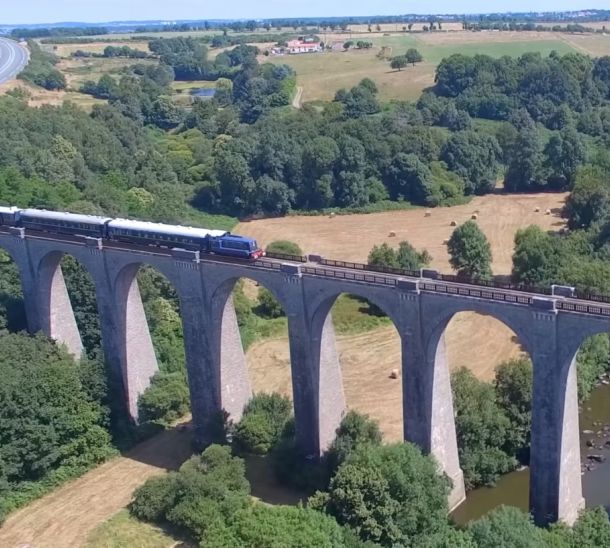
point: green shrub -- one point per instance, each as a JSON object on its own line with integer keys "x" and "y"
{"x": 262, "y": 424}
{"x": 355, "y": 430}
{"x": 285, "y": 247}
{"x": 153, "y": 499}
{"x": 268, "y": 305}
{"x": 165, "y": 400}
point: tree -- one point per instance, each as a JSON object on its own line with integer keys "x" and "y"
{"x": 513, "y": 386}
{"x": 389, "y": 494}
{"x": 262, "y": 423}
{"x": 208, "y": 488}
{"x": 565, "y": 154}
{"x": 475, "y": 158}
{"x": 355, "y": 430}
{"x": 348, "y": 45}
{"x": 536, "y": 259}
{"x": 268, "y": 305}
{"x": 286, "y": 526}
{"x": 165, "y": 114}
{"x": 482, "y": 430}
{"x": 406, "y": 257}
{"x": 49, "y": 424}
{"x": 470, "y": 252}
{"x": 525, "y": 169}
{"x": 413, "y": 56}
{"x": 589, "y": 201}
{"x": 398, "y": 63}
{"x": 508, "y": 527}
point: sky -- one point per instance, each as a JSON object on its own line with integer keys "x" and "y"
{"x": 49, "y": 11}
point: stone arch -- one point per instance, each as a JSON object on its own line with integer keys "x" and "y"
{"x": 516, "y": 322}
{"x": 443, "y": 438}
{"x": 323, "y": 335}
{"x": 236, "y": 382}
{"x": 134, "y": 342}
{"x": 55, "y": 313}
{"x": 13, "y": 305}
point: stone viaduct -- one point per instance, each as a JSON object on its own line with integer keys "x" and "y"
{"x": 551, "y": 329}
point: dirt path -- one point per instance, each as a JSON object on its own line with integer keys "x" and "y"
{"x": 66, "y": 517}
{"x": 296, "y": 102}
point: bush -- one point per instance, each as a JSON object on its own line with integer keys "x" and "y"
{"x": 285, "y": 247}
{"x": 285, "y": 526}
{"x": 268, "y": 305}
{"x": 389, "y": 494}
{"x": 165, "y": 400}
{"x": 208, "y": 488}
{"x": 262, "y": 424}
{"x": 153, "y": 499}
{"x": 355, "y": 430}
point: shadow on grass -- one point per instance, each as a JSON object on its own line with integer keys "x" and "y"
{"x": 264, "y": 484}
{"x": 167, "y": 450}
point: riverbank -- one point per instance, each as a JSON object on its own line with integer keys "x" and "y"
{"x": 513, "y": 489}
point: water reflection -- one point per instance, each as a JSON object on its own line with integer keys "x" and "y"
{"x": 513, "y": 489}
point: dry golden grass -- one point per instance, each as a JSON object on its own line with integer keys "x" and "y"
{"x": 66, "y": 50}
{"x": 350, "y": 237}
{"x": 68, "y": 515}
{"x": 40, "y": 96}
{"x": 321, "y": 75}
{"x": 477, "y": 342}
{"x": 596, "y": 45}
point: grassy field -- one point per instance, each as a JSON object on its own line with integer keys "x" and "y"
{"x": 321, "y": 75}
{"x": 124, "y": 531}
{"x": 66, "y": 50}
{"x": 369, "y": 347}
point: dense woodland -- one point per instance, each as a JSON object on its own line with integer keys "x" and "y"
{"x": 536, "y": 123}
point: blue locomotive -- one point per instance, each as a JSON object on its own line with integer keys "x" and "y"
{"x": 134, "y": 232}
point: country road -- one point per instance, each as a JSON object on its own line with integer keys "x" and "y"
{"x": 13, "y": 58}
{"x": 296, "y": 102}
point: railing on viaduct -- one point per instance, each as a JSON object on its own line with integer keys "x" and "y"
{"x": 430, "y": 281}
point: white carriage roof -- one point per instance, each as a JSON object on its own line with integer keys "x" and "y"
{"x": 144, "y": 226}
{"x": 64, "y": 216}
{"x": 7, "y": 209}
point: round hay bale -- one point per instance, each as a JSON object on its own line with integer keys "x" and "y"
{"x": 547, "y": 212}
{"x": 392, "y": 234}
{"x": 332, "y": 215}
{"x": 394, "y": 374}
{"x": 428, "y": 213}
{"x": 453, "y": 223}
{"x": 474, "y": 216}
{"x": 537, "y": 209}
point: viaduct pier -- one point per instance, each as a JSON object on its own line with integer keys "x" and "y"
{"x": 550, "y": 327}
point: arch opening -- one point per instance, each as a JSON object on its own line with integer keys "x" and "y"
{"x": 592, "y": 363}
{"x": 12, "y": 307}
{"x": 491, "y": 383}
{"x": 154, "y": 362}
{"x": 370, "y": 358}
{"x": 254, "y": 332}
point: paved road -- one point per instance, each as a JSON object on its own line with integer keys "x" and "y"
{"x": 13, "y": 58}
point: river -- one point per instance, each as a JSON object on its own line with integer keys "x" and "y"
{"x": 513, "y": 489}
